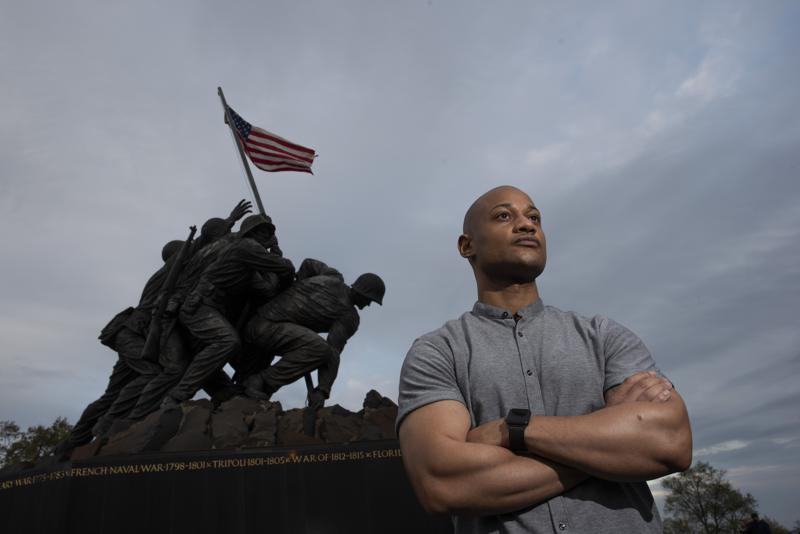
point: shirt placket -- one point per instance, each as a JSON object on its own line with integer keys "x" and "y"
{"x": 533, "y": 387}
{"x": 530, "y": 375}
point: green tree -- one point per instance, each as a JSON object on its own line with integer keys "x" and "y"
{"x": 701, "y": 501}
{"x": 9, "y": 433}
{"x": 30, "y": 446}
{"x": 776, "y": 527}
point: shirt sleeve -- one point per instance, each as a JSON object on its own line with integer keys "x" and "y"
{"x": 625, "y": 353}
{"x": 428, "y": 376}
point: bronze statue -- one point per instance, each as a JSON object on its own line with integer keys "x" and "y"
{"x": 126, "y": 334}
{"x": 215, "y": 237}
{"x": 289, "y": 326}
{"x": 191, "y": 317}
{"x": 243, "y": 266}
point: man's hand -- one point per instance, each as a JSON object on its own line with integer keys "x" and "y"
{"x": 242, "y": 208}
{"x": 491, "y": 433}
{"x": 644, "y": 386}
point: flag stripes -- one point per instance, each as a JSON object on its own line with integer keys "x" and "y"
{"x": 271, "y": 152}
{"x": 273, "y": 147}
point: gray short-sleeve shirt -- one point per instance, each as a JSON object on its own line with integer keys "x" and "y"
{"x": 552, "y": 362}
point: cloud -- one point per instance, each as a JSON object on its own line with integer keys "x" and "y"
{"x": 661, "y": 148}
{"x": 731, "y": 445}
{"x": 715, "y": 77}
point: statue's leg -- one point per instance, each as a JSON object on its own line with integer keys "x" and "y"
{"x": 218, "y": 383}
{"x": 220, "y": 342}
{"x": 262, "y": 339}
{"x": 174, "y": 359}
{"x": 301, "y": 349}
{"x": 81, "y": 433}
{"x": 130, "y": 346}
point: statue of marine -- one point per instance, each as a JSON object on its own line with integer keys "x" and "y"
{"x": 215, "y": 236}
{"x": 242, "y": 267}
{"x": 225, "y": 298}
{"x": 126, "y": 334}
{"x": 289, "y": 326}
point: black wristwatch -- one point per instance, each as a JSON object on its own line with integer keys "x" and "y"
{"x": 516, "y": 420}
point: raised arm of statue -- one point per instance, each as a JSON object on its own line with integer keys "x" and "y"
{"x": 240, "y": 210}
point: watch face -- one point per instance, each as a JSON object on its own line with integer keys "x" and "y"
{"x": 518, "y": 416}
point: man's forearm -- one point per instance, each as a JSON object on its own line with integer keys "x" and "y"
{"x": 631, "y": 441}
{"x": 474, "y": 478}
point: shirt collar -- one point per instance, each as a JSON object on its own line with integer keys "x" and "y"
{"x": 485, "y": 310}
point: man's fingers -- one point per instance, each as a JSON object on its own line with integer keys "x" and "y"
{"x": 645, "y": 386}
{"x": 638, "y": 389}
{"x": 659, "y": 391}
{"x": 636, "y": 377}
{"x": 632, "y": 381}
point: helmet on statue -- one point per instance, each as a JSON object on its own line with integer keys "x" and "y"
{"x": 254, "y": 221}
{"x": 371, "y": 286}
{"x": 171, "y": 249}
{"x": 214, "y": 228}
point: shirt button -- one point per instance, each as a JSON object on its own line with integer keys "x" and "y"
{"x": 519, "y": 334}
{"x": 529, "y": 372}
{"x": 505, "y": 315}
{"x": 562, "y": 526}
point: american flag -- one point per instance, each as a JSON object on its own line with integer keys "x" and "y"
{"x": 270, "y": 152}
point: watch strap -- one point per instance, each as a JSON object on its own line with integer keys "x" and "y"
{"x": 516, "y": 421}
{"x": 516, "y": 439}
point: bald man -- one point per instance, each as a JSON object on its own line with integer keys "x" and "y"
{"x": 520, "y": 417}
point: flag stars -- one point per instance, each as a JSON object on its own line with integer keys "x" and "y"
{"x": 270, "y": 152}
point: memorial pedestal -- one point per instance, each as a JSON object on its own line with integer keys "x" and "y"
{"x": 348, "y": 488}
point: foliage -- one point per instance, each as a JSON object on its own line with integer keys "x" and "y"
{"x": 776, "y": 527}
{"x": 701, "y": 501}
{"x": 9, "y": 433}
{"x": 30, "y": 446}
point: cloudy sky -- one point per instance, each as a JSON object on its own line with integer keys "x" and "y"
{"x": 661, "y": 141}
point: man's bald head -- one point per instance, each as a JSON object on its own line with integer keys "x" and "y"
{"x": 482, "y": 203}
{"x": 503, "y": 238}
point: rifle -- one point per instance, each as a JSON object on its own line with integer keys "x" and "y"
{"x": 153, "y": 343}
{"x": 310, "y": 413}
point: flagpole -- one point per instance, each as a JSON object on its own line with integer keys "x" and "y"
{"x": 309, "y": 419}
{"x": 241, "y": 152}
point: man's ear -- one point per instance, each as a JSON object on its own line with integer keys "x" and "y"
{"x": 465, "y": 246}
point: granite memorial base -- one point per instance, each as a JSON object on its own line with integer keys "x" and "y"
{"x": 349, "y": 488}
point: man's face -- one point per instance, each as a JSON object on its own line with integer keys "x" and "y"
{"x": 503, "y": 237}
